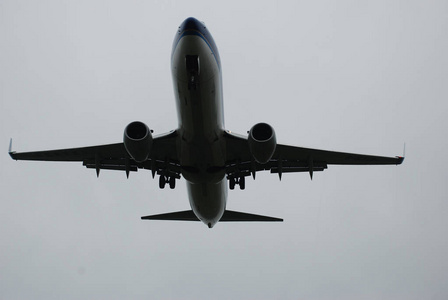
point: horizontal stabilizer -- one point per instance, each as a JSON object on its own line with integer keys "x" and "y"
{"x": 229, "y": 216}
{"x": 186, "y": 215}
{"x": 235, "y": 216}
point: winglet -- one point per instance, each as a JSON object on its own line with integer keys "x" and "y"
{"x": 10, "y": 152}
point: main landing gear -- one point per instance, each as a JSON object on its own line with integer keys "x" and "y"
{"x": 241, "y": 181}
{"x": 166, "y": 179}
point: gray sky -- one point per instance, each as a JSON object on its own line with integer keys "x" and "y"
{"x": 358, "y": 76}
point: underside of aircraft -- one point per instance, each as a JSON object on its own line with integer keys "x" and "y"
{"x": 210, "y": 158}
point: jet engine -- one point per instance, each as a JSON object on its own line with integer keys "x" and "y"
{"x": 138, "y": 141}
{"x": 262, "y": 142}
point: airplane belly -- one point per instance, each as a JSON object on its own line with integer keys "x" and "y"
{"x": 197, "y": 87}
{"x": 208, "y": 200}
{"x": 198, "y": 91}
{"x": 197, "y": 84}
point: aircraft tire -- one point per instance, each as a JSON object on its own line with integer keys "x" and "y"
{"x": 162, "y": 182}
{"x": 172, "y": 182}
{"x": 232, "y": 183}
{"x": 242, "y": 183}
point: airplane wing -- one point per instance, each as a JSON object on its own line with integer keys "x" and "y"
{"x": 163, "y": 159}
{"x": 292, "y": 159}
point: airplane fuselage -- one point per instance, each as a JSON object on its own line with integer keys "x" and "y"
{"x": 197, "y": 83}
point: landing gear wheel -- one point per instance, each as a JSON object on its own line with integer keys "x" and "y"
{"x": 232, "y": 183}
{"x": 172, "y": 182}
{"x": 162, "y": 181}
{"x": 242, "y": 183}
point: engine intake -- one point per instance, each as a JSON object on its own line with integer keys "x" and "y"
{"x": 262, "y": 142}
{"x": 138, "y": 141}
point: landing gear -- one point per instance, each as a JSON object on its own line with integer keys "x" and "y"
{"x": 163, "y": 180}
{"x": 193, "y": 70}
{"x": 172, "y": 182}
{"x": 241, "y": 181}
{"x": 232, "y": 182}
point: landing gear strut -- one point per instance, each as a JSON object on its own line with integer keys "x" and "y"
{"x": 241, "y": 181}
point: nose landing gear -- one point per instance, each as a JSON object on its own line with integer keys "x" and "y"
{"x": 193, "y": 70}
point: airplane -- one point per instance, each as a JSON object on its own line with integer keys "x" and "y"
{"x": 201, "y": 150}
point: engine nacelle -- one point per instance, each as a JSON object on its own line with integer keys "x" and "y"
{"x": 262, "y": 142}
{"x": 138, "y": 141}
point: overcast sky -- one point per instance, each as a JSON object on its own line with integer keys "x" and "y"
{"x": 358, "y": 76}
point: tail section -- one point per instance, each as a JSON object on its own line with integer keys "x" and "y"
{"x": 186, "y": 215}
{"x": 228, "y": 216}
{"x": 235, "y": 216}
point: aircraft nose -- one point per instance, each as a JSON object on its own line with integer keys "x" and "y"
{"x": 191, "y": 24}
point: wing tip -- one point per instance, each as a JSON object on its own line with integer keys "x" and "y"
{"x": 10, "y": 152}
{"x": 400, "y": 160}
